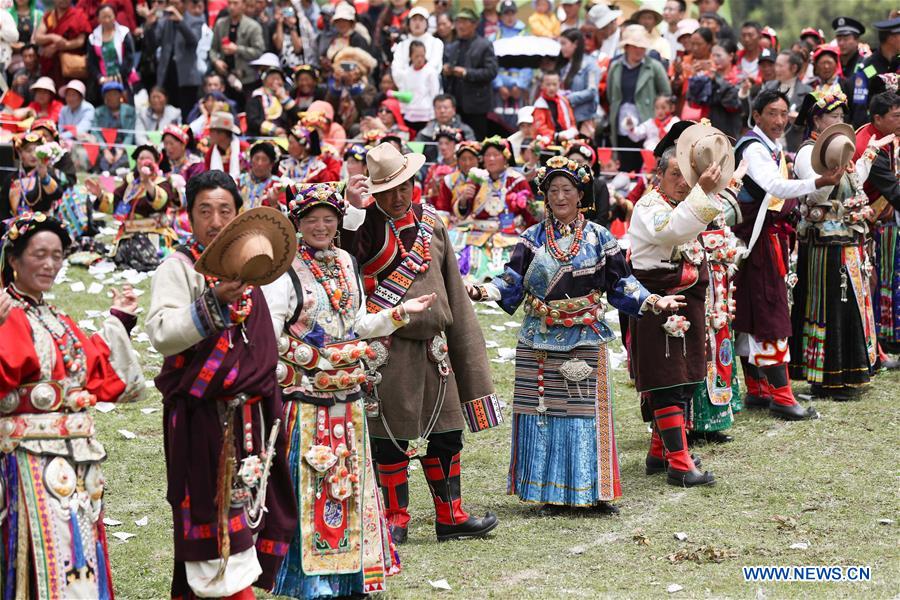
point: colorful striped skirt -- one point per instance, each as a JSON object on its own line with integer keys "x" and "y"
{"x": 566, "y": 454}
{"x": 887, "y": 301}
{"x": 834, "y": 341}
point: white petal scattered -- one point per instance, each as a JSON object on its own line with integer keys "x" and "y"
{"x": 87, "y": 324}
{"x": 577, "y": 550}
{"x": 77, "y": 287}
{"x": 512, "y": 324}
{"x": 491, "y": 344}
{"x": 799, "y": 546}
{"x": 149, "y": 411}
{"x": 498, "y": 327}
{"x": 885, "y": 521}
{"x": 440, "y": 584}
{"x": 491, "y": 311}
{"x": 102, "y": 268}
{"x": 105, "y": 407}
{"x": 122, "y": 536}
{"x": 95, "y": 288}
{"x": 680, "y": 536}
{"x": 128, "y": 435}
{"x": 111, "y": 522}
{"x": 149, "y": 383}
{"x": 506, "y": 353}
{"x": 142, "y": 522}
{"x": 674, "y": 588}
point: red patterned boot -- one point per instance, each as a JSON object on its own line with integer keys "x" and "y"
{"x": 681, "y": 468}
{"x": 394, "y": 482}
{"x": 783, "y": 403}
{"x": 452, "y": 522}
{"x": 758, "y": 395}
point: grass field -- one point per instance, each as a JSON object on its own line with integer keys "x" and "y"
{"x": 831, "y": 484}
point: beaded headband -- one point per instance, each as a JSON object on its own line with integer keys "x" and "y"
{"x": 499, "y": 143}
{"x": 561, "y": 165}
{"x": 22, "y": 226}
{"x": 468, "y": 146}
{"x": 177, "y": 132}
{"x": 451, "y": 133}
{"x": 356, "y": 152}
{"x": 829, "y": 98}
{"x": 308, "y": 196}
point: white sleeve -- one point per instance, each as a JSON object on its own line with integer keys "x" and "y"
{"x": 282, "y": 301}
{"x": 681, "y": 224}
{"x": 804, "y": 170}
{"x": 172, "y": 324}
{"x": 763, "y": 171}
{"x": 373, "y": 325}
{"x": 354, "y": 218}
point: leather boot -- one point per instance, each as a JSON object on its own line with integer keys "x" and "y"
{"x": 452, "y": 522}
{"x": 656, "y": 457}
{"x": 783, "y": 404}
{"x": 681, "y": 469}
{"x": 757, "y": 395}
{"x": 394, "y": 482}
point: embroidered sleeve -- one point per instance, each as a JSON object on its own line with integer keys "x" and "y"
{"x": 623, "y": 290}
{"x": 510, "y": 285}
{"x": 482, "y": 413}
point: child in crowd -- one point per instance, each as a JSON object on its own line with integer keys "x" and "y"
{"x": 424, "y": 84}
{"x": 543, "y": 21}
{"x": 653, "y": 130}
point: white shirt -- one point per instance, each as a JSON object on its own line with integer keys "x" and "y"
{"x": 434, "y": 54}
{"x": 657, "y": 228}
{"x": 766, "y": 174}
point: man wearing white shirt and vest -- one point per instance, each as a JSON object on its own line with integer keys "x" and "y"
{"x": 762, "y": 307}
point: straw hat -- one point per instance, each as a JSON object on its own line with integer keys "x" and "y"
{"x": 225, "y": 121}
{"x": 635, "y": 35}
{"x": 834, "y": 148}
{"x": 700, "y": 146}
{"x": 388, "y": 168}
{"x": 257, "y": 247}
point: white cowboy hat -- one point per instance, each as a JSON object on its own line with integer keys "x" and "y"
{"x": 700, "y": 146}
{"x": 388, "y": 168}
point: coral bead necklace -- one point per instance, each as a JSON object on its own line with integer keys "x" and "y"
{"x": 418, "y": 258}
{"x": 339, "y": 295}
{"x": 553, "y": 245}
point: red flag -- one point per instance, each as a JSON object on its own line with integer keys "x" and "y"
{"x": 110, "y": 135}
{"x": 242, "y": 122}
{"x": 604, "y": 155}
{"x": 649, "y": 160}
{"x": 92, "y": 150}
{"x": 12, "y": 100}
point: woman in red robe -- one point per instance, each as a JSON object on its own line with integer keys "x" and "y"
{"x": 63, "y": 30}
{"x": 51, "y": 373}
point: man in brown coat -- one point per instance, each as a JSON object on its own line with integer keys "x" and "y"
{"x": 431, "y": 376}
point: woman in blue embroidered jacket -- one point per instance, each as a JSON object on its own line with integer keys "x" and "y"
{"x": 563, "y": 446}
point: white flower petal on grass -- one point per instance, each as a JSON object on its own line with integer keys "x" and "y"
{"x": 149, "y": 411}
{"x": 142, "y": 522}
{"x": 440, "y": 584}
{"x": 95, "y": 288}
{"x": 105, "y": 407}
{"x": 111, "y": 522}
{"x": 77, "y": 287}
{"x": 674, "y": 588}
{"x": 128, "y": 435}
{"x": 123, "y": 536}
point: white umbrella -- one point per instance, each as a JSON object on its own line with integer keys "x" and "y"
{"x": 525, "y": 50}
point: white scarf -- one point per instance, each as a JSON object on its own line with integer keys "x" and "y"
{"x": 234, "y": 161}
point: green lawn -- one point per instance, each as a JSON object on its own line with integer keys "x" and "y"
{"x": 826, "y": 483}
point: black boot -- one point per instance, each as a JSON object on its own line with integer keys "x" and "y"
{"x": 395, "y": 489}
{"x": 452, "y": 522}
{"x": 681, "y": 469}
{"x": 709, "y": 437}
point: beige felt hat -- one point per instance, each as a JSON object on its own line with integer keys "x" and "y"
{"x": 388, "y": 168}
{"x": 700, "y": 146}
{"x": 43, "y": 83}
{"x": 225, "y": 121}
{"x": 635, "y": 35}
{"x": 256, "y": 247}
{"x": 834, "y": 148}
